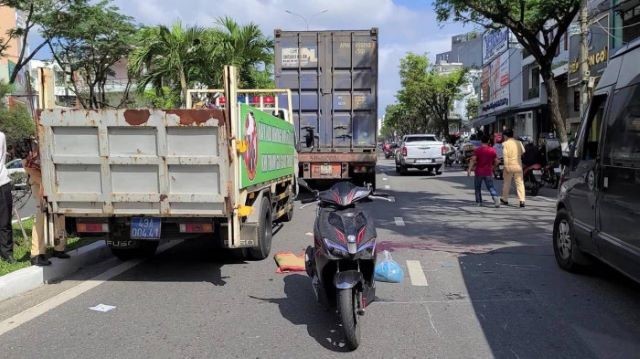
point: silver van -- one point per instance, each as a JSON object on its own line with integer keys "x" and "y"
{"x": 598, "y": 211}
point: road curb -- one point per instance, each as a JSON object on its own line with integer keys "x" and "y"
{"x": 26, "y": 279}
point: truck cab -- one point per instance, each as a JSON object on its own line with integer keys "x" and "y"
{"x": 599, "y": 200}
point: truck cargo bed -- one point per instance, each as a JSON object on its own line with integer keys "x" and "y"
{"x": 135, "y": 162}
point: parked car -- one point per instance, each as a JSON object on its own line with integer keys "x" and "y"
{"x": 17, "y": 173}
{"x": 421, "y": 152}
{"x": 599, "y": 200}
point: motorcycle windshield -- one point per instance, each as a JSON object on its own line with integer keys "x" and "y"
{"x": 344, "y": 194}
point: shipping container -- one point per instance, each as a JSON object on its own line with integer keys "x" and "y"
{"x": 333, "y": 77}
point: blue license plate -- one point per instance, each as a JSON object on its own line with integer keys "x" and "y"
{"x": 145, "y": 228}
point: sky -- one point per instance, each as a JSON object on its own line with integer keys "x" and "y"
{"x": 404, "y": 25}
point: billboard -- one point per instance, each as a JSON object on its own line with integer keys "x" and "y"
{"x": 598, "y": 42}
{"x": 495, "y": 84}
{"x": 270, "y": 150}
{"x": 494, "y": 42}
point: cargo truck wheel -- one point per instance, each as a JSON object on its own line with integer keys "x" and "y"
{"x": 144, "y": 249}
{"x": 265, "y": 232}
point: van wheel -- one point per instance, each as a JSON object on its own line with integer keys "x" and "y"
{"x": 265, "y": 232}
{"x": 564, "y": 243}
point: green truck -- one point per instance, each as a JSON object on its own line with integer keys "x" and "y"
{"x": 224, "y": 173}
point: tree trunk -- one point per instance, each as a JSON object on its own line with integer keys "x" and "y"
{"x": 183, "y": 86}
{"x": 553, "y": 99}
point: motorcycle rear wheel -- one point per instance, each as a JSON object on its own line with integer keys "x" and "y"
{"x": 347, "y": 307}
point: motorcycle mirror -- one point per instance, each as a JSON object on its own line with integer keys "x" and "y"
{"x": 302, "y": 183}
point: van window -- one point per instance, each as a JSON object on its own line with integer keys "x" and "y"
{"x": 588, "y": 145}
{"x": 622, "y": 143}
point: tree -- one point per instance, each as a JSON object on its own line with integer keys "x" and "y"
{"x": 175, "y": 57}
{"x": 15, "y": 122}
{"x": 246, "y": 47}
{"x": 87, "y": 40}
{"x": 473, "y": 108}
{"x": 429, "y": 93}
{"x": 539, "y": 26}
{"x": 34, "y": 12}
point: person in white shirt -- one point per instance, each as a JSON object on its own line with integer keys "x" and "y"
{"x": 6, "y": 206}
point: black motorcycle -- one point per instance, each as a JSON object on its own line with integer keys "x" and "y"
{"x": 342, "y": 260}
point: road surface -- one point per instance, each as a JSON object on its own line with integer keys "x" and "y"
{"x": 480, "y": 283}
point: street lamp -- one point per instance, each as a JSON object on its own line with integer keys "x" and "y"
{"x": 304, "y": 18}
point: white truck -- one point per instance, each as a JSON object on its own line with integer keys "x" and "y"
{"x": 421, "y": 152}
{"x": 144, "y": 175}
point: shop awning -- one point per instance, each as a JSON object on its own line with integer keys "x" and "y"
{"x": 483, "y": 121}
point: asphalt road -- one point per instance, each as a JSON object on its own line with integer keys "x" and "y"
{"x": 493, "y": 290}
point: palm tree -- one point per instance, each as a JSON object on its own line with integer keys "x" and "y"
{"x": 246, "y": 47}
{"x": 174, "y": 57}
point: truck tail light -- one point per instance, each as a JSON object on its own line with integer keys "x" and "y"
{"x": 87, "y": 227}
{"x": 196, "y": 227}
{"x": 404, "y": 151}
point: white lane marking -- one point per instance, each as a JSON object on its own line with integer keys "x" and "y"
{"x": 71, "y": 293}
{"x": 309, "y": 234}
{"x": 387, "y": 186}
{"x": 399, "y": 221}
{"x": 385, "y": 179}
{"x": 416, "y": 274}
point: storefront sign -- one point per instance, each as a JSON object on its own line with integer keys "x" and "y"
{"x": 598, "y": 57}
{"x": 495, "y": 84}
{"x": 493, "y": 43}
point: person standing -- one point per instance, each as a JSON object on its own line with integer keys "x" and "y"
{"x": 512, "y": 151}
{"x": 483, "y": 161}
{"x": 6, "y": 205}
{"x": 38, "y": 245}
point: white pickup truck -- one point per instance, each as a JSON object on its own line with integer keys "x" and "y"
{"x": 421, "y": 152}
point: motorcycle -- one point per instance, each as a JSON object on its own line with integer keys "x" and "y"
{"x": 342, "y": 260}
{"x": 532, "y": 176}
{"x": 551, "y": 175}
{"x": 498, "y": 170}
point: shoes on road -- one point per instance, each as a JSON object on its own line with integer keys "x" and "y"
{"x": 521, "y": 204}
{"x": 506, "y": 203}
{"x": 61, "y": 255}
{"x": 40, "y": 261}
{"x": 9, "y": 260}
{"x": 496, "y": 201}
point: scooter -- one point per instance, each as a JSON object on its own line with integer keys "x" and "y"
{"x": 498, "y": 171}
{"x": 342, "y": 259}
{"x": 532, "y": 176}
{"x": 551, "y": 175}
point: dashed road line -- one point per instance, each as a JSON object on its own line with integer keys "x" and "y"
{"x": 416, "y": 274}
{"x": 399, "y": 221}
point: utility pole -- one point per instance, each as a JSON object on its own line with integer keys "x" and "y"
{"x": 584, "y": 58}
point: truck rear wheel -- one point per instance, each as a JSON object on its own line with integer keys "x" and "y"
{"x": 265, "y": 232}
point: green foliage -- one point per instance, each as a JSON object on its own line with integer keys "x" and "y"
{"x": 473, "y": 108}
{"x": 164, "y": 99}
{"x": 15, "y": 122}
{"x": 180, "y": 57}
{"x": 35, "y": 14}
{"x": 88, "y": 39}
{"x": 539, "y": 26}
{"x": 426, "y": 97}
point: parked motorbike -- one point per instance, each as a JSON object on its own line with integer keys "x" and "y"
{"x": 551, "y": 175}
{"x": 342, "y": 259}
{"x": 532, "y": 179}
{"x": 498, "y": 170}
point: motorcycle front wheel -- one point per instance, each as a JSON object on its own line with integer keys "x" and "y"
{"x": 347, "y": 307}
